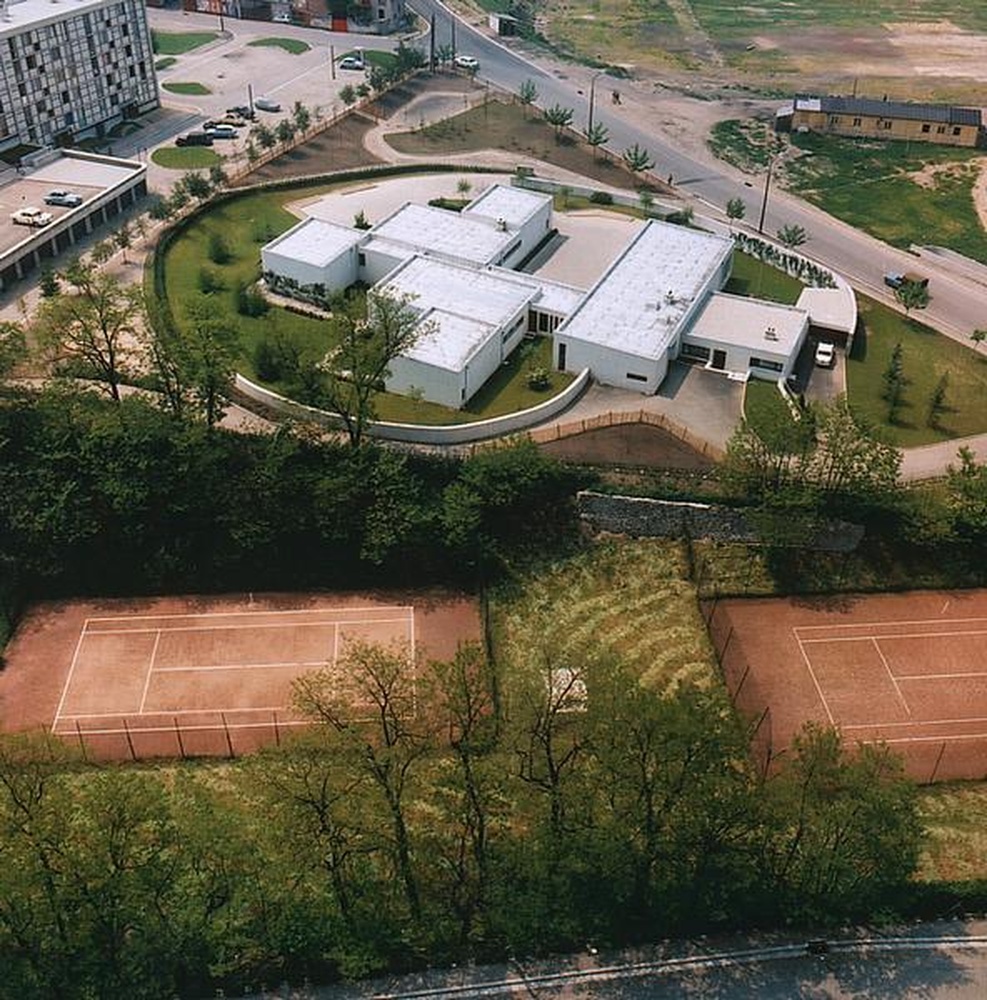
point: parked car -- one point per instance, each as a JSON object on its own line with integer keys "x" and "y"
{"x": 194, "y": 139}
{"x": 895, "y": 280}
{"x": 219, "y": 130}
{"x": 467, "y": 62}
{"x": 235, "y": 120}
{"x": 241, "y": 111}
{"x": 67, "y": 199}
{"x": 30, "y": 216}
{"x": 352, "y": 62}
{"x": 266, "y": 104}
{"x": 282, "y": 17}
{"x": 825, "y": 355}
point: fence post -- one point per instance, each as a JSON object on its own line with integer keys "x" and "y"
{"x": 181, "y": 742}
{"x": 229, "y": 741}
{"x": 130, "y": 739}
{"x": 82, "y": 742}
{"x": 277, "y": 730}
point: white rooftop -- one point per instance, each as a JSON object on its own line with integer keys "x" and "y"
{"x": 750, "y": 323}
{"x": 552, "y": 296}
{"x": 22, "y": 14}
{"x": 832, "y": 308}
{"x": 514, "y": 205}
{"x": 435, "y": 230}
{"x": 315, "y": 242}
{"x": 452, "y": 341}
{"x": 483, "y": 296}
{"x": 639, "y": 303}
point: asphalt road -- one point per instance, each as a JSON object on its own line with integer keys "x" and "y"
{"x": 958, "y": 305}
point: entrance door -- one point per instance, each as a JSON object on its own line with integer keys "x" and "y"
{"x": 719, "y": 360}
{"x": 562, "y": 348}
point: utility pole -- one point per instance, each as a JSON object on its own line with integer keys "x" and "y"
{"x": 764, "y": 200}
{"x": 592, "y": 97}
{"x": 431, "y": 45}
{"x": 332, "y": 61}
{"x": 453, "y": 40}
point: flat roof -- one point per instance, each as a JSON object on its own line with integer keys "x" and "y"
{"x": 832, "y": 308}
{"x": 913, "y": 111}
{"x": 316, "y": 242}
{"x": 24, "y": 14}
{"x": 453, "y": 340}
{"x": 514, "y": 205}
{"x": 750, "y": 323}
{"x": 639, "y": 303}
{"x": 483, "y": 296}
{"x": 435, "y": 230}
{"x": 551, "y": 296}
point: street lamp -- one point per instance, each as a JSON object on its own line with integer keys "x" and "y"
{"x": 592, "y": 96}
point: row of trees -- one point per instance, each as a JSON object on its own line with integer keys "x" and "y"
{"x": 424, "y": 819}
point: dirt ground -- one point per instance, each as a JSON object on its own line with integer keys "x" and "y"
{"x": 627, "y": 444}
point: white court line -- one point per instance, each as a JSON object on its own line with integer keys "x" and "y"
{"x": 815, "y": 681}
{"x": 193, "y": 668}
{"x": 150, "y": 670}
{"x": 898, "y": 635}
{"x": 68, "y": 679}
{"x": 929, "y": 739}
{"x": 942, "y": 677}
{"x": 916, "y": 621}
{"x": 899, "y": 725}
{"x": 178, "y": 711}
{"x": 894, "y": 680}
{"x": 946, "y": 605}
{"x": 282, "y": 723}
{"x": 249, "y": 614}
{"x": 242, "y": 626}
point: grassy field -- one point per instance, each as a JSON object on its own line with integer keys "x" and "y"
{"x": 185, "y": 157}
{"x": 193, "y": 89}
{"x": 763, "y": 403}
{"x": 246, "y": 224}
{"x": 955, "y": 821}
{"x": 162, "y": 64}
{"x": 751, "y": 277}
{"x": 926, "y": 356}
{"x": 172, "y": 43}
{"x": 509, "y": 127}
{"x": 628, "y": 599}
{"x": 747, "y": 143}
{"x": 292, "y": 45}
{"x": 901, "y": 193}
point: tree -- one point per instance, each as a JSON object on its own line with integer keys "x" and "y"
{"x": 347, "y": 94}
{"x": 197, "y": 185}
{"x": 13, "y": 346}
{"x": 124, "y": 239}
{"x": 206, "y": 352}
{"x": 646, "y": 200}
{"x": 94, "y": 322}
{"x": 356, "y": 368}
{"x": 265, "y": 136}
{"x": 445, "y": 54}
{"x": 301, "y": 116}
{"x": 792, "y": 236}
{"x": 463, "y": 188}
{"x": 597, "y": 137}
{"x": 48, "y": 284}
{"x": 937, "y": 401}
{"x": 285, "y": 131}
{"x": 978, "y": 337}
{"x": 912, "y": 295}
{"x": 101, "y": 252}
{"x": 638, "y": 159}
{"x": 527, "y": 94}
{"x": 559, "y": 118}
{"x": 736, "y": 209}
{"x": 217, "y": 176}
{"x": 894, "y": 382}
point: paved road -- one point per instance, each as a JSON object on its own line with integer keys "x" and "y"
{"x": 958, "y": 304}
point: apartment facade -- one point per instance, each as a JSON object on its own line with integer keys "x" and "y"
{"x": 72, "y": 69}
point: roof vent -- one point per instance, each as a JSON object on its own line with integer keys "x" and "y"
{"x": 502, "y": 225}
{"x": 770, "y": 333}
{"x": 670, "y": 295}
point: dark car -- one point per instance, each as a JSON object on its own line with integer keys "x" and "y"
{"x": 241, "y": 111}
{"x": 194, "y": 139}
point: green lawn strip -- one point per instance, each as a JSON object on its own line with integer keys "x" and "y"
{"x": 170, "y": 43}
{"x": 764, "y": 404}
{"x": 374, "y": 57}
{"x": 871, "y": 186}
{"x": 628, "y": 599}
{"x": 292, "y": 45}
{"x": 185, "y": 157}
{"x": 162, "y": 64}
{"x": 750, "y": 276}
{"x": 954, "y": 817}
{"x": 926, "y": 356}
{"x": 194, "y": 89}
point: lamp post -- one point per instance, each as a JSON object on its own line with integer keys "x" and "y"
{"x": 592, "y": 97}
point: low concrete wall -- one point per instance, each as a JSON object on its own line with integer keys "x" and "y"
{"x": 430, "y": 434}
{"x": 648, "y": 518}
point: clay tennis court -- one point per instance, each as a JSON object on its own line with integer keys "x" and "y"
{"x": 193, "y": 676}
{"x": 909, "y": 670}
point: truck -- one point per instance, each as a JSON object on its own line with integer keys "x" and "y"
{"x": 896, "y": 279}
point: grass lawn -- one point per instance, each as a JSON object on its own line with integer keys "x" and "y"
{"x": 747, "y": 143}
{"x": 247, "y": 223}
{"x": 902, "y": 193}
{"x": 292, "y": 45}
{"x": 185, "y": 157}
{"x": 955, "y": 820}
{"x": 161, "y": 64}
{"x": 927, "y": 356}
{"x": 626, "y": 599}
{"x": 374, "y": 57}
{"x": 496, "y": 125}
{"x": 196, "y": 89}
{"x": 750, "y": 276}
{"x": 171, "y": 43}
{"x": 763, "y": 403}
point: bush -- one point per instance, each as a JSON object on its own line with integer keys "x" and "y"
{"x": 267, "y": 361}
{"x": 209, "y": 281}
{"x": 539, "y": 379}
{"x": 250, "y": 301}
{"x": 601, "y": 198}
{"x": 219, "y": 250}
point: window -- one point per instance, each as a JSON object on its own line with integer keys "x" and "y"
{"x": 361, "y": 259}
{"x": 940, "y": 129}
{"x": 634, "y": 377}
{"x": 888, "y": 124}
{"x": 926, "y": 127}
{"x": 771, "y": 366}
{"x": 956, "y": 130}
{"x": 856, "y": 122}
{"x": 834, "y": 119}
{"x": 695, "y": 352}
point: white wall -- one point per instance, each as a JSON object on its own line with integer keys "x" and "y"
{"x": 438, "y": 385}
{"x": 738, "y": 356}
{"x": 288, "y": 267}
{"x": 378, "y": 264}
{"x": 611, "y": 367}
{"x": 531, "y": 234}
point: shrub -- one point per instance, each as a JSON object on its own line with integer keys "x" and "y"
{"x": 539, "y": 379}
{"x": 601, "y": 198}
{"x": 209, "y": 281}
{"x": 219, "y": 250}
{"x": 267, "y": 361}
{"x": 250, "y": 301}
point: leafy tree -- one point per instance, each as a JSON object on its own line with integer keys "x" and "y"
{"x": 161, "y": 209}
{"x": 48, "y": 285}
{"x": 736, "y": 209}
{"x": 207, "y": 353}
{"x": 301, "y": 116}
{"x": 285, "y": 131}
{"x": 463, "y": 188}
{"x": 967, "y": 495}
{"x": 218, "y": 249}
{"x": 217, "y": 176}
{"x": 347, "y": 94}
{"x": 355, "y": 370}
{"x": 360, "y": 220}
{"x": 912, "y": 295}
{"x": 197, "y": 185}
{"x": 978, "y": 337}
{"x": 937, "y": 401}
{"x": 597, "y": 137}
{"x": 265, "y": 136}
{"x": 94, "y": 321}
{"x": 792, "y": 236}
{"x": 638, "y": 159}
{"x": 445, "y": 54}
{"x": 894, "y": 382}
{"x": 13, "y": 346}
{"x": 253, "y": 154}
{"x": 363, "y": 90}
{"x": 124, "y": 239}
{"x": 559, "y": 118}
{"x": 527, "y": 94}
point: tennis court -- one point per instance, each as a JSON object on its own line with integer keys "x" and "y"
{"x": 909, "y": 670}
{"x": 184, "y": 677}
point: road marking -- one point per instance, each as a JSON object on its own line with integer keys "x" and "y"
{"x": 894, "y": 681}
{"x": 815, "y": 681}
